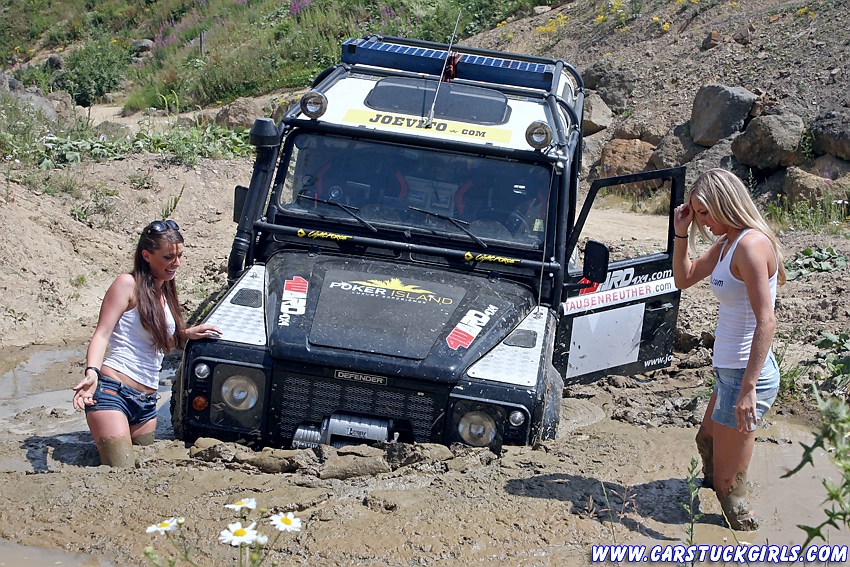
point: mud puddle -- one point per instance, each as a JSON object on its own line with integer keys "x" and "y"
{"x": 14, "y": 555}
{"x": 602, "y": 481}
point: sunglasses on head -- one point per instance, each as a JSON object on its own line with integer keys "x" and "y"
{"x": 162, "y": 226}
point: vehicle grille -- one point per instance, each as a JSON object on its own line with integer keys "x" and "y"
{"x": 313, "y": 398}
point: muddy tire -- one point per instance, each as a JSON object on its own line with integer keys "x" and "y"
{"x": 178, "y": 407}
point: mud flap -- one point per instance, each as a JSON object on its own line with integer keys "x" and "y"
{"x": 552, "y": 405}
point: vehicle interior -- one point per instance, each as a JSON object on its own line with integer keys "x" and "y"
{"x": 417, "y": 189}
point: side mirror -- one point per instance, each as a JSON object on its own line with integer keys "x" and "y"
{"x": 239, "y": 195}
{"x": 595, "y": 261}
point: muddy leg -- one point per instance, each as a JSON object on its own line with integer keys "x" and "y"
{"x": 112, "y": 436}
{"x": 705, "y": 446}
{"x": 143, "y": 433}
{"x": 143, "y": 439}
{"x": 736, "y": 508}
{"x": 116, "y": 451}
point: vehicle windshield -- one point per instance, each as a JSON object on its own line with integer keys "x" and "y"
{"x": 482, "y": 200}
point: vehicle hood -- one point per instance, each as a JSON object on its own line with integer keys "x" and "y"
{"x": 376, "y": 315}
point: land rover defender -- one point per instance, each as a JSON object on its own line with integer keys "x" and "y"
{"x": 407, "y": 264}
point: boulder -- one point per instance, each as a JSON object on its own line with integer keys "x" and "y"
{"x": 799, "y": 186}
{"x": 626, "y": 156}
{"x": 614, "y": 84}
{"x": 592, "y": 147}
{"x": 831, "y": 133}
{"x": 719, "y": 155}
{"x": 597, "y": 115}
{"x": 64, "y": 105}
{"x": 719, "y": 111}
{"x": 642, "y": 126}
{"x": 676, "y": 148}
{"x": 770, "y": 142}
{"x": 239, "y": 114}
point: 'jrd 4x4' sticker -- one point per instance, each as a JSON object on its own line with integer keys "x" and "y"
{"x": 293, "y": 300}
{"x": 469, "y": 327}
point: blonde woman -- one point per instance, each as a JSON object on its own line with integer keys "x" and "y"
{"x": 745, "y": 265}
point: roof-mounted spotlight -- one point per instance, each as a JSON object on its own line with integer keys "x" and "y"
{"x": 314, "y": 104}
{"x": 538, "y": 135}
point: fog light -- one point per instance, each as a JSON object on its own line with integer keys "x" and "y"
{"x": 538, "y": 135}
{"x": 202, "y": 371}
{"x": 239, "y": 393}
{"x": 200, "y": 403}
{"x": 314, "y": 104}
{"x": 516, "y": 418}
{"x": 477, "y": 429}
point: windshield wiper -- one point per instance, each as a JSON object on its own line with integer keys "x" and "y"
{"x": 347, "y": 208}
{"x": 458, "y": 223}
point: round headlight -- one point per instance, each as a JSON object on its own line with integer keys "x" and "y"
{"x": 516, "y": 418}
{"x": 239, "y": 393}
{"x": 202, "y": 371}
{"x": 538, "y": 135}
{"x": 335, "y": 193}
{"x": 477, "y": 429}
{"x": 314, "y": 104}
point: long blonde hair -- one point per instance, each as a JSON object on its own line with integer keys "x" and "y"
{"x": 727, "y": 199}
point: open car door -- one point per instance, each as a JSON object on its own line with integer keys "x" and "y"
{"x": 625, "y": 325}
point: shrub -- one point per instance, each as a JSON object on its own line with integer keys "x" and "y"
{"x": 93, "y": 70}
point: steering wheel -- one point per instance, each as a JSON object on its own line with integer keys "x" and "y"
{"x": 511, "y": 220}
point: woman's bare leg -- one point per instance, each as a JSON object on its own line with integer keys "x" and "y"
{"x": 732, "y": 453}
{"x": 705, "y": 444}
{"x": 111, "y": 434}
{"x": 142, "y": 433}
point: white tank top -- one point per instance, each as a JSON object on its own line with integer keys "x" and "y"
{"x": 131, "y": 349}
{"x": 736, "y": 321}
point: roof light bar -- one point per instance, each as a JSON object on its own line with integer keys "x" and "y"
{"x": 430, "y": 61}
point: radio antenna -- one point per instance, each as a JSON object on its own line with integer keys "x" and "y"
{"x": 430, "y": 119}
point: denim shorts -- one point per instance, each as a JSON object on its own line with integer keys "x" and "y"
{"x": 113, "y": 395}
{"x": 728, "y": 386}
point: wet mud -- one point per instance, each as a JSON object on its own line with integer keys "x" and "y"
{"x": 605, "y": 479}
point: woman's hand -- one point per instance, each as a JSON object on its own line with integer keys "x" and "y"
{"x": 683, "y": 216}
{"x": 204, "y": 331}
{"x": 745, "y": 411}
{"x": 84, "y": 391}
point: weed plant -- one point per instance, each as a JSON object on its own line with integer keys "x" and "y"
{"x": 789, "y": 373}
{"x": 836, "y": 360}
{"x": 832, "y": 437}
{"x": 828, "y": 215}
{"x": 28, "y": 137}
{"x": 692, "y": 505}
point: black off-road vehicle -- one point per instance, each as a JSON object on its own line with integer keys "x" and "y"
{"x": 406, "y": 263}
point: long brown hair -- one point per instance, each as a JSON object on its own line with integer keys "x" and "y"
{"x": 147, "y": 295}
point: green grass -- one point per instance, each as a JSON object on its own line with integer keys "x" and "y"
{"x": 219, "y": 50}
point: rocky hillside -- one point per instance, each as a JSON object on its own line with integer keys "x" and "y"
{"x": 759, "y": 87}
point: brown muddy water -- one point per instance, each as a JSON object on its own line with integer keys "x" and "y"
{"x": 35, "y": 403}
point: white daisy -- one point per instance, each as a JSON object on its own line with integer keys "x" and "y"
{"x": 168, "y": 525}
{"x": 286, "y": 522}
{"x": 249, "y": 503}
{"x": 236, "y": 535}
